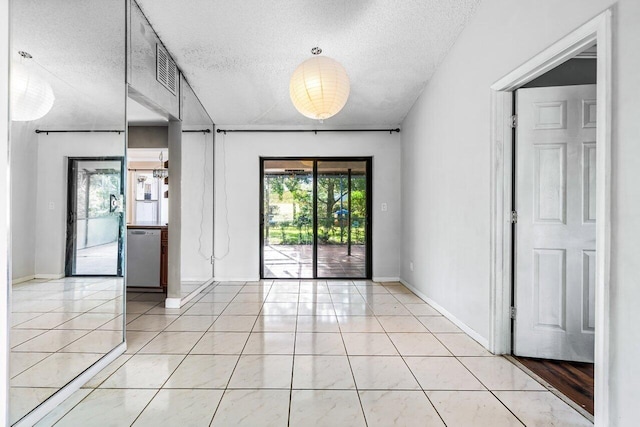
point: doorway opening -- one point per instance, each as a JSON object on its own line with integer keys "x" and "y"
{"x": 554, "y": 229}
{"x": 94, "y": 217}
{"x": 549, "y": 264}
{"x": 315, "y": 218}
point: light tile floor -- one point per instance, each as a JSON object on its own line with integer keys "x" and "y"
{"x": 61, "y": 327}
{"x": 305, "y": 353}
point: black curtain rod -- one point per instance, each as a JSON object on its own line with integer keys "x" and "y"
{"x": 78, "y": 131}
{"x": 48, "y": 131}
{"x": 307, "y": 130}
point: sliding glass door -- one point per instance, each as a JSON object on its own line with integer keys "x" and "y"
{"x": 94, "y": 217}
{"x": 287, "y": 219}
{"x": 315, "y": 218}
{"x": 342, "y": 218}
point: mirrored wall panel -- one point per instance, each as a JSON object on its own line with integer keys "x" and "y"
{"x": 68, "y": 179}
{"x": 197, "y": 157}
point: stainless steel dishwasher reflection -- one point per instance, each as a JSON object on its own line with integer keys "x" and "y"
{"x": 143, "y": 258}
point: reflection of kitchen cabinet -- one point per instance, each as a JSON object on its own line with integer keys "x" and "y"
{"x": 166, "y": 180}
{"x": 164, "y": 257}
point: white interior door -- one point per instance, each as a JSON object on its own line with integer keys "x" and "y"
{"x": 556, "y": 231}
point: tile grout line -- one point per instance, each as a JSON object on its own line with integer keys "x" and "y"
{"x": 458, "y": 360}
{"x": 355, "y": 384}
{"x": 174, "y": 370}
{"x": 93, "y": 389}
{"x": 293, "y": 360}
{"x": 60, "y": 324}
{"x": 74, "y": 406}
{"x": 407, "y": 365}
{"x": 226, "y": 388}
{"x": 478, "y": 379}
{"x": 424, "y": 392}
{"x": 58, "y": 351}
{"x": 369, "y": 303}
{"x": 136, "y": 353}
{"x": 455, "y": 356}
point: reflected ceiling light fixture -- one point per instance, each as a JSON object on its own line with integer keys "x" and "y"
{"x": 162, "y": 172}
{"x": 31, "y": 96}
{"x": 319, "y": 87}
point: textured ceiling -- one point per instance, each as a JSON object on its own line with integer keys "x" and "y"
{"x": 239, "y": 55}
{"x": 79, "y": 48}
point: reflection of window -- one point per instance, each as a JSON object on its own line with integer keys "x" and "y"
{"x": 146, "y": 186}
{"x": 93, "y": 191}
{"x": 101, "y": 187}
{"x": 81, "y": 194}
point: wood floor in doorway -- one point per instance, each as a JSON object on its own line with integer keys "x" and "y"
{"x": 573, "y": 379}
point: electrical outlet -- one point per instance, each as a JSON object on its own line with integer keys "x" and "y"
{"x": 411, "y": 265}
{"x": 52, "y": 206}
{"x": 384, "y": 207}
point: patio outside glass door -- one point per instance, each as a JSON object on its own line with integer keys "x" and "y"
{"x": 287, "y": 219}
{"x": 342, "y": 218}
{"x": 315, "y": 218}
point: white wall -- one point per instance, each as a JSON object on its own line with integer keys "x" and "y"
{"x": 446, "y": 159}
{"x": 53, "y": 149}
{"x": 24, "y": 157}
{"x": 237, "y": 160}
{"x": 197, "y": 206}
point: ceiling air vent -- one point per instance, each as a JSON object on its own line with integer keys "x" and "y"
{"x": 166, "y": 70}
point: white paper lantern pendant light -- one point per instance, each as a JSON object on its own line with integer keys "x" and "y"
{"x": 319, "y": 87}
{"x": 31, "y": 96}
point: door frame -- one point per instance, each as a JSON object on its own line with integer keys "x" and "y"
{"x": 598, "y": 30}
{"x": 369, "y": 224}
{"x": 71, "y": 202}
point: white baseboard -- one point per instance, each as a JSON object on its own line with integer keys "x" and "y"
{"x": 172, "y": 302}
{"x": 195, "y": 279}
{"x": 237, "y": 279}
{"x": 179, "y": 302}
{"x": 22, "y": 279}
{"x": 385, "y": 279}
{"x": 54, "y": 276}
{"x": 460, "y": 324}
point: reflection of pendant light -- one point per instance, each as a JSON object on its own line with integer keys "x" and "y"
{"x": 319, "y": 87}
{"x": 162, "y": 172}
{"x": 31, "y": 96}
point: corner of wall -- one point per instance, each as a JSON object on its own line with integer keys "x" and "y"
{"x": 459, "y": 323}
